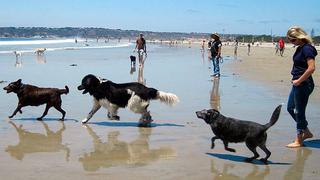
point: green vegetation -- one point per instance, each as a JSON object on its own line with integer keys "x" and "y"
{"x": 89, "y": 32}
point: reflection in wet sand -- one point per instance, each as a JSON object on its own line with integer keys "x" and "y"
{"x": 41, "y": 58}
{"x": 18, "y": 62}
{"x": 30, "y": 142}
{"x": 254, "y": 174}
{"x": 132, "y": 68}
{"x": 215, "y": 95}
{"x": 141, "y": 80}
{"x": 296, "y": 170}
{"x": 119, "y": 153}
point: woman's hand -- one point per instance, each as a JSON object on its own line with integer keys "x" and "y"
{"x": 296, "y": 82}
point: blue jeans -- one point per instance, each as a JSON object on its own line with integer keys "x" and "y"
{"x": 216, "y": 68}
{"x": 297, "y": 103}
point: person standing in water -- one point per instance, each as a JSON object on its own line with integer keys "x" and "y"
{"x": 141, "y": 48}
{"x": 215, "y": 54}
{"x": 302, "y": 82}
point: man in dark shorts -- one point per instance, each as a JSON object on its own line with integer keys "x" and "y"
{"x": 141, "y": 48}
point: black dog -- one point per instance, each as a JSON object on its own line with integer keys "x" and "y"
{"x": 29, "y": 95}
{"x": 113, "y": 96}
{"x": 232, "y": 130}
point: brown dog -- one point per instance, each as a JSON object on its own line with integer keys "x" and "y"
{"x": 29, "y": 95}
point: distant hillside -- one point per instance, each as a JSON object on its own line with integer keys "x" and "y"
{"x": 43, "y": 32}
{"x": 89, "y": 32}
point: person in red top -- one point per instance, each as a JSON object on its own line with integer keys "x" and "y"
{"x": 281, "y": 46}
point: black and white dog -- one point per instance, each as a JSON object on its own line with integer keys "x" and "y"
{"x": 113, "y": 96}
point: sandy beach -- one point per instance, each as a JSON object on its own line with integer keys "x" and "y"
{"x": 177, "y": 146}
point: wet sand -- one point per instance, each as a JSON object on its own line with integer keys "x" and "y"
{"x": 177, "y": 146}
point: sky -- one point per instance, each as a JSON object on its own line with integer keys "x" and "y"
{"x": 222, "y": 16}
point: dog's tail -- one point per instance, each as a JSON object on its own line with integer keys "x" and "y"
{"x": 167, "y": 98}
{"x": 274, "y": 117}
{"x": 64, "y": 91}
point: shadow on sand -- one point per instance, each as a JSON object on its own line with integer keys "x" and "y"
{"x": 236, "y": 158}
{"x": 132, "y": 124}
{"x": 315, "y": 143}
{"x": 44, "y": 119}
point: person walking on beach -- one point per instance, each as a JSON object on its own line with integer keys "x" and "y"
{"x": 215, "y": 53}
{"x": 236, "y": 44}
{"x": 302, "y": 82}
{"x": 281, "y": 46}
{"x": 141, "y": 48}
{"x": 249, "y": 46}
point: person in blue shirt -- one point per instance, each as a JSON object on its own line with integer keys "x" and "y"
{"x": 215, "y": 54}
{"x": 302, "y": 82}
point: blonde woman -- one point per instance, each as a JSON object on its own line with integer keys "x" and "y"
{"x": 302, "y": 82}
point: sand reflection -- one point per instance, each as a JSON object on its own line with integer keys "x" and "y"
{"x": 215, "y": 95}
{"x": 141, "y": 80}
{"x": 257, "y": 172}
{"x": 115, "y": 152}
{"x": 30, "y": 142}
{"x": 41, "y": 58}
{"x": 297, "y": 169}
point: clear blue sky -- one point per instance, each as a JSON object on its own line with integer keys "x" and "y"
{"x": 229, "y": 16}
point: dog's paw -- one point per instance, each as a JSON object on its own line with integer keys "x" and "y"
{"x": 62, "y": 119}
{"x": 115, "y": 118}
{"x": 20, "y": 111}
{"x": 145, "y": 124}
{"x": 10, "y": 117}
{"x": 39, "y": 118}
{"x": 264, "y": 160}
{"x": 248, "y": 159}
{"x": 212, "y": 145}
{"x": 85, "y": 120}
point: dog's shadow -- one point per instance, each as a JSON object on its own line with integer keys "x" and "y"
{"x": 315, "y": 143}
{"x": 44, "y": 119}
{"x": 237, "y": 158}
{"x": 132, "y": 124}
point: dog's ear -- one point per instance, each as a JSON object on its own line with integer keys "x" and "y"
{"x": 214, "y": 114}
{"x": 19, "y": 81}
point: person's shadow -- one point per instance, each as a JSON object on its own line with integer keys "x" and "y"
{"x": 30, "y": 142}
{"x": 225, "y": 174}
{"x": 116, "y": 152}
